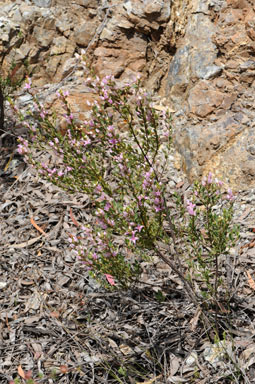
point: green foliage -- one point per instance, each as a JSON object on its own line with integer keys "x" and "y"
{"x": 209, "y": 236}
{"x": 9, "y": 82}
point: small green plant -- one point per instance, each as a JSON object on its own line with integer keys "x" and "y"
{"x": 209, "y": 235}
{"x": 122, "y": 371}
{"x": 119, "y": 159}
{"x": 9, "y": 82}
{"x": 210, "y": 232}
{"x": 160, "y": 296}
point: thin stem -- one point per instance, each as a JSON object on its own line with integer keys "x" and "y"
{"x": 180, "y": 275}
{"x": 186, "y": 284}
{"x": 216, "y": 291}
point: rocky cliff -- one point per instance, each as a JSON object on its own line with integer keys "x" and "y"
{"x": 197, "y": 54}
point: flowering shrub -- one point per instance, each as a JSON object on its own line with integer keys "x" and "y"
{"x": 210, "y": 234}
{"x": 112, "y": 159}
{"x": 119, "y": 157}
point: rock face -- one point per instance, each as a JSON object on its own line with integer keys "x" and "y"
{"x": 116, "y": 35}
{"x": 197, "y": 54}
{"x": 210, "y": 84}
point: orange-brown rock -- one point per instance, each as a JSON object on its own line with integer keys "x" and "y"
{"x": 214, "y": 123}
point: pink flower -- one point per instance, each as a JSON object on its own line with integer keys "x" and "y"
{"x": 230, "y": 195}
{"x": 148, "y": 174}
{"x": 107, "y": 206}
{"x": 139, "y": 228}
{"x": 42, "y": 114}
{"x": 113, "y": 141}
{"x": 98, "y": 188}
{"x": 157, "y": 201}
{"x": 210, "y": 178}
{"x": 69, "y": 118}
{"x": 190, "y": 208}
{"x": 21, "y": 149}
{"x": 102, "y": 197}
{"x": 104, "y": 81}
{"x": 110, "y": 128}
{"x": 133, "y": 237}
{"x": 110, "y": 279}
{"x": 28, "y": 84}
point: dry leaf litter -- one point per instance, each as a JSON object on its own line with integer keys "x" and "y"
{"x": 60, "y": 324}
